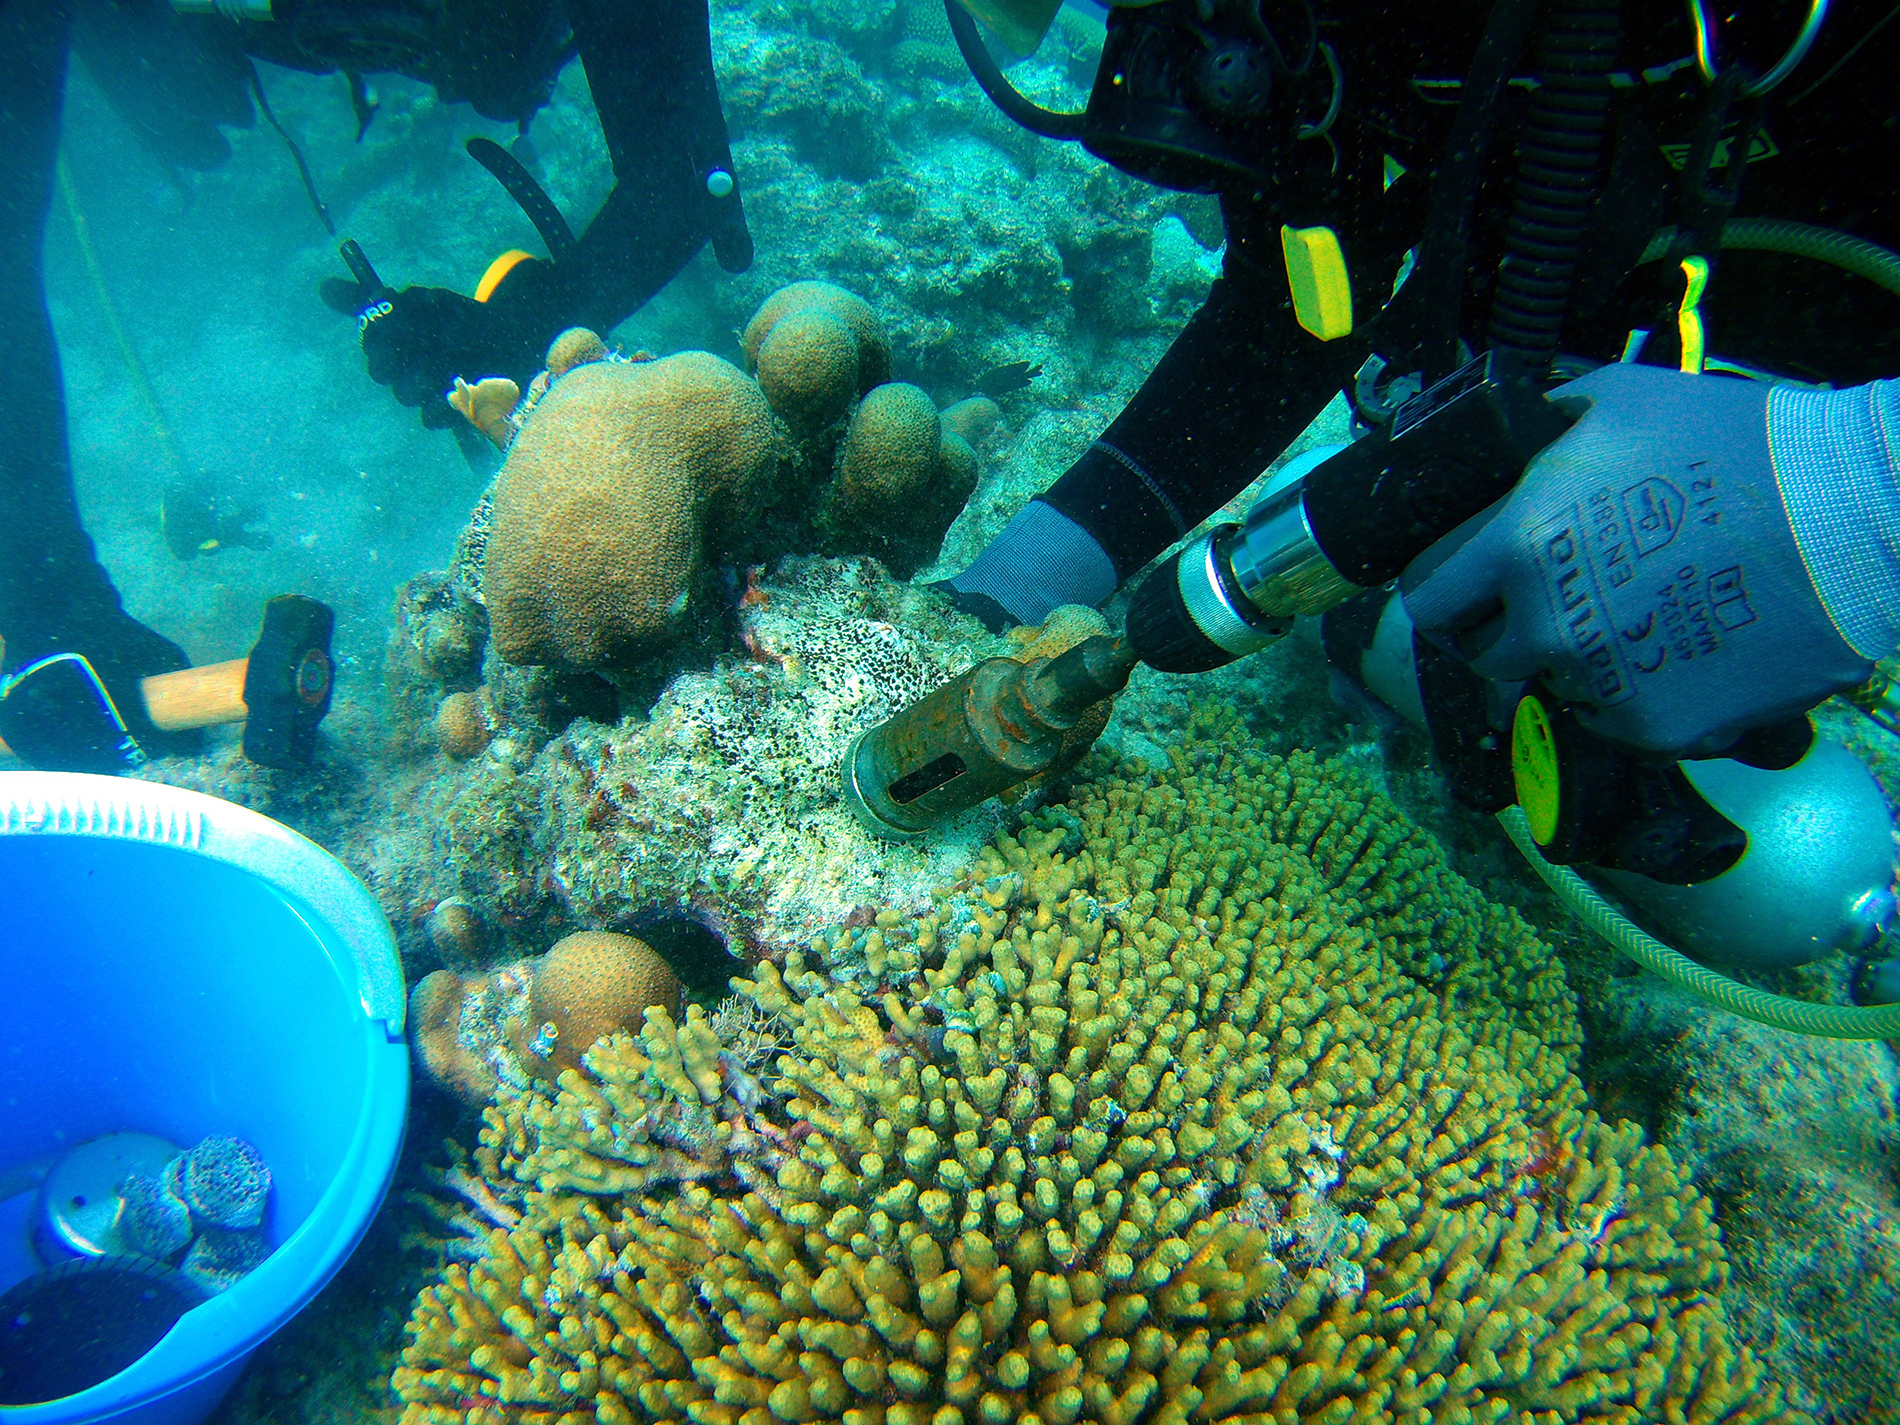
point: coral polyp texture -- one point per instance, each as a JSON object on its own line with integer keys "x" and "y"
{"x": 900, "y": 479}
{"x": 826, "y": 299}
{"x": 627, "y": 479}
{"x": 1148, "y": 1122}
{"x": 598, "y": 530}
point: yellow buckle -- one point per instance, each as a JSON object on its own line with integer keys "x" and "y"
{"x": 1695, "y": 274}
{"x": 1316, "y": 276}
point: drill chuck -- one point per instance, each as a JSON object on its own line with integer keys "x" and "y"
{"x": 1353, "y": 519}
{"x": 1235, "y": 589}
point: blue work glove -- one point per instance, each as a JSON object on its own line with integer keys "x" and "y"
{"x": 1649, "y": 566}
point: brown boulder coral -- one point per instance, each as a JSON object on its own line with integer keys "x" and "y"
{"x": 479, "y": 1031}
{"x": 574, "y": 347}
{"x": 626, "y": 478}
{"x": 587, "y": 986}
{"x": 808, "y": 368}
{"x": 874, "y": 348}
{"x": 899, "y": 481}
{"x": 462, "y": 727}
{"x": 598, "y": 529}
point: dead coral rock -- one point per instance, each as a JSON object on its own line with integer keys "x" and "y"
{"x": 436, "y": 1008}
{"x": 461, "y": 726}
{"x": 585, "y": 988}
{"x": 808, "y": 368}
{"x": 574, "y": 347}
{"x": 436, "y": 642}
{"x": 596, "y": 538}
{"x": 874, "y": 348}
{"x": 899, "y": 484}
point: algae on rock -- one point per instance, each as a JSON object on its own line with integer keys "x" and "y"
{"x": 724, "y": 800}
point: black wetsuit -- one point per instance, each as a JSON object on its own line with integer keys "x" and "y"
{"x": 176, "y": 78}
{"x": 1242, "y": 380}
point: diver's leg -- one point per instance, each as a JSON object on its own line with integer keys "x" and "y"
{"x": 1238, "y": 384}
{"x": 649, "y": 65}
{"x": 54, "y": 596}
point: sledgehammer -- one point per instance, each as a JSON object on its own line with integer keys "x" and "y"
{"x": 280, "y": 692}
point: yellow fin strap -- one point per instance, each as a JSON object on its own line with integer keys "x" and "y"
{"x": 1695, "y": 272}
{"x": 1316, "y": 276}
{"x": 499, "y": 269}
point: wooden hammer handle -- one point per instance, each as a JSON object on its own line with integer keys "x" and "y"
{"x": 196, "y": 697}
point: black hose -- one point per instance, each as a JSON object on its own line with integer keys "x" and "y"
{"x": 1558, "y": 177}
{"x": 1443, "y": 244}
{"x": 1050, "y": 123}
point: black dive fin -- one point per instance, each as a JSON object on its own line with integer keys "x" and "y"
{"x": 529, "y": 194}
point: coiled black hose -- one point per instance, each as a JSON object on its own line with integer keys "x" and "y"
{"x": 1559, "y": 158}
{"x": 1049, "y": 123}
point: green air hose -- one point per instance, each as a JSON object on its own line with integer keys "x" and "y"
{"x": 1826, "y": 1021}
{"x": 1877, "y": 264}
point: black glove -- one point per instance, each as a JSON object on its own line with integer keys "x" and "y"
{"x": 418, "y": 340}
{"x": 80, "y": 709}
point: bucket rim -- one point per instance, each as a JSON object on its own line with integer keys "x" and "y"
{"x": 116, "y": 808}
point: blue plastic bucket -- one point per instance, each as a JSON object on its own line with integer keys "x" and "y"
{"x": 179, "y": 966}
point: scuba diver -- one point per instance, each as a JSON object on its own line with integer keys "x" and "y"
{"x": 178, "y": 70}
{"x": 1359, "y": 121}
{"x": 1622, "y": 451}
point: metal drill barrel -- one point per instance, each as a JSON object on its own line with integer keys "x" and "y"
{"x": 982, "y": 733}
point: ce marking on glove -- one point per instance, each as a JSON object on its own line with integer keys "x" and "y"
{"x": 372, "y": 313}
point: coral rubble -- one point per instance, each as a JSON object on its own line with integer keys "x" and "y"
{"x": 1155, "y": 1120}
{"x": 1796, "y": 1139}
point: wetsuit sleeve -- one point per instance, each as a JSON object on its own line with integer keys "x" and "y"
{"x": 649, "y": 65}
{"x": 1238, "y": 384}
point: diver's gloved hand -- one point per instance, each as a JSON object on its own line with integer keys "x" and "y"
{"x": 1698, "y": 556}
{"x": 1040, "y": 561}
{"x": 79, "y": 708}
{"x": 418, "y": 340}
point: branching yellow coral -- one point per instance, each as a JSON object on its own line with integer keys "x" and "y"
{"x": 1162, "y": 1141}
{"x": 668, "y": 1106}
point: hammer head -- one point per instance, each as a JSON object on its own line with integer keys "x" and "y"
{"x": 288, "y": 681}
